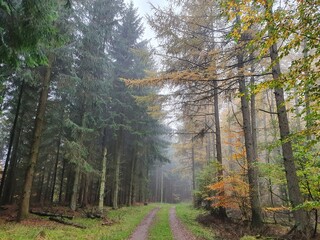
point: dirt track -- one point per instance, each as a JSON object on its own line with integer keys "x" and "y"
{"x": 178, "y": 230}
{"x": 141, "y": 231}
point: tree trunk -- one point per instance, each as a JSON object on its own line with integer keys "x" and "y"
{"x": 40, "y": 191}
{"x": 157, "y": 184}
{"x": 256, "y": 212}
{"x": 267, "y": 152}
{"x": 208, "y": 145}
{"x": 132, "y": 175}
{"x": 306, "y": 96}
{"x": 146, "y": 187}
{"x": 55, "y": 170}
{"x": 161, "y": 186}
{"x": 25, "y": 200}
{"x": 75, "y": 186}
{"x": 295, "y": 196}
{"x": 57, "y": 158}
{"x": 62, "y": 180}
{"x": 47, "y": 192}
{"x": 214, "y": 149}
{"x": 193, "y": 175}
{"x": 69, "y": 186}
{"x": 117, "y": 171}
{"x": 85, "y": 195}
{"x": 103, "y": 180}
{"x": 10, "y": 181}
{"x": 297, "y": 111}
{"x": 222, "y": 211}
{"x": 11, "y": 140}
{"x": 253, "y": 115}
{"x": 230, "y": 149}
{"x": 217, "y": 128}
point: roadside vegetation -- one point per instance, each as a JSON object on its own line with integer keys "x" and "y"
{"x": 187, "y": 215}
{"x": 125, "y": 220}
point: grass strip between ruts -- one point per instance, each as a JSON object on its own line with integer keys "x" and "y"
{"x": 160, "y": 229}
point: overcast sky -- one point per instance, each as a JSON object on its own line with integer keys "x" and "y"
{"x": 144, "y": 8}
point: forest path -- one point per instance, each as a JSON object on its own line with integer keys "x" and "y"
{"x": 141, "y": 232}
{"x": 178, "y": 229}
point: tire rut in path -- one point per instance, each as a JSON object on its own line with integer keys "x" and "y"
{"x": 178, "y": 230}
{"x": 141, "y": 232}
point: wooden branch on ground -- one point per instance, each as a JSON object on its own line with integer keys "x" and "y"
{"x": 94, "y": 215}
{"x": 59, "y": 220}
{"x": 47, "y": 214}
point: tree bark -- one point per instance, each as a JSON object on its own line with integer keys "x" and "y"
{"x": 48, "y": 214}
{"x": 222, "y": 211}
{"x": 10, "y": 181}
{"x": 57, "y": 158}
{"x": 306, "y": 97}
{"x": 85, "y": 195}
{"x": 103, "y": 180}
{"x": 208, "y": 140}
{"x": 193, "y": 175}
{"x": 256, "y": 212}
{"x": 11, "y": 140}
{"x": 75, "y": 186}
{"x": 117, "y": 171}
{"x": 61, "y": 181}
{"x": 40, "y": 190}
{"x": 161, "y": 186}
{"x": 146, "y": 196}
{"x": 253, "y": 115}
{"x": 59, "y": 220}
{"x": 132, "y": 175}
{"x": 25, "y": 200}
{"x": 70, "y": 180}
{"x": 217, "y": 128}
{"x": 295, "y": 196}
{"x": 47, "y": 192}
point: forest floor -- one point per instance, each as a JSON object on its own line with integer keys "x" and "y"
{"x": 155, "y": 221}
{"x": 152, "y": 222}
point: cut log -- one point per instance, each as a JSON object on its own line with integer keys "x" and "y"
{"x": 48, "y": 214}
{"x": 59, "y": 220}
{"x": 94, "y": 215}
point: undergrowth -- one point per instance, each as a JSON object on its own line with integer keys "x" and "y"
{"x": 126, "y": 220}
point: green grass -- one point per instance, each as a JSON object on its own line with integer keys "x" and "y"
{"x": 127, "y": 219}
{"x": 187, "y": 215}
{"x": 160, "y": 229}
